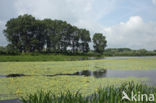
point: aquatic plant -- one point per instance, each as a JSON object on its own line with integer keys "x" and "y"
{"x": 109, "y": 94}
{"x": 30, "y": 84}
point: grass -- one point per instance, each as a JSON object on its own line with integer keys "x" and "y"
{"x": 111, "y": 94}
{"x": 40, "y": 57}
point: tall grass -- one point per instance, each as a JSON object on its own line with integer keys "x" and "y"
{"x": 110, "y": 94}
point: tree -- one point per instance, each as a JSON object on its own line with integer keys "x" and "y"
{"x": 85, "y": 39}
{"x": 74, "y": 39}
{"x": 57, "y": 35}
{"x": 39, "y": 39}
{"x": 3, "y": 50}
{"x": 99, "y": 42}
{"x": 49, "y": 34}
{"x": 25, "y": 33}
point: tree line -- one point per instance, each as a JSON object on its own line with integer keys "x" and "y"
{"x": 28, "y": 34}
{"x": 129, "y": 52}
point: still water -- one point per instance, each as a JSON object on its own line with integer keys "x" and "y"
{"x": 105, "y": 73}
{"x": 108, "y": 73}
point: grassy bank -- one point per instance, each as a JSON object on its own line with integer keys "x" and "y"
{"x": 40, "y": 57}
{"x": 111, "y": 94}
{"x": 49, "y": 57}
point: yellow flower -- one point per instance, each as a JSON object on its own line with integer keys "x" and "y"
{"x": 18, "y": 91}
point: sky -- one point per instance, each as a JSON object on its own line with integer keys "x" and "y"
{"x": 125, "y": 23}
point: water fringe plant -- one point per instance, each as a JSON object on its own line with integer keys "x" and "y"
{"x": 110, "y": 94}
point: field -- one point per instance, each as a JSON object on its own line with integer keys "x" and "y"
{"x": 21, "y": 86}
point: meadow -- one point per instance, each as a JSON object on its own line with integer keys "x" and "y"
{"x": 22, "y": 86}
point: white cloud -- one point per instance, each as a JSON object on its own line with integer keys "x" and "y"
{"x": 82, "y": 13}
{"x": 154, "y": 2}
{"x": 3, "y": 40}
{"x": 135, "y": 33}
{"x": 69, "y": 10}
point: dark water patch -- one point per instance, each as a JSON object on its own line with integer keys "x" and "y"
{"x": 96, "y": 74}
{"x": 11, "y": 101}
{"x": 2, "y": 76}
{"x": 15, "y": 75}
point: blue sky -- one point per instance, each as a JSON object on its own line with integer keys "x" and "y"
{"x": 123, "y": 9}
{"x": 125, "y": 23}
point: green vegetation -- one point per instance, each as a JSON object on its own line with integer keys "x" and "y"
{"x": 5, "y": 53}
{"x": 26, "y": 34}
{"x": 11, "y": 88}
{"x": 111, "y": 94}
{"x": 20, "y": 86}
{"x": 128, "y": 52}
{"x": 99, "y": 42}
{"x": 41, "y": 68}
{"x": 38, "y": 48}
{"x": 40, "y": 57}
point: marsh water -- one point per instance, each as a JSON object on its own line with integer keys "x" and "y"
{"x": 105, "y": 73}
{"x": 100, "y": 73}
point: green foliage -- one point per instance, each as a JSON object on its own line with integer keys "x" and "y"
{"x": 99, "y": 42}
{"x": 21, "y": 86}
{"x": 128, "y": 52}
{"x": 40, "y": 57}
{"x": 2, "y": 50}
{"x": 27, "y": 34}
{"x": 111, "y": 94}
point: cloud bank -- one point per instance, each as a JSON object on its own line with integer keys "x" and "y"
{"x": 154, "y": 2}
{"x": 126, "y": 30}
{"x": 135, "y": 33}
{"x": 3, "y": 40}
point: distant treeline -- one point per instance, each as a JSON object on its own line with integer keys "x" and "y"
{"x": 26, "y": 34}
{"x": 107, "y": 52}
{"x": 128, "y": 52}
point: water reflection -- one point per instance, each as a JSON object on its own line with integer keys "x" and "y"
{"x": 100, "y": 73}
{"x": 103, "y": 73}
{"x": 96, "y": 74}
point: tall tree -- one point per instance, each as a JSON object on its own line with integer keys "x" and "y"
{"x": 57, "y": 35}
{"x": 25, "y": 33}
{"x": 74, "y": 39}
{"x": 84, "y": 39}
{"x": 49, "y": 34}
{"x": 99, "y": 42}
